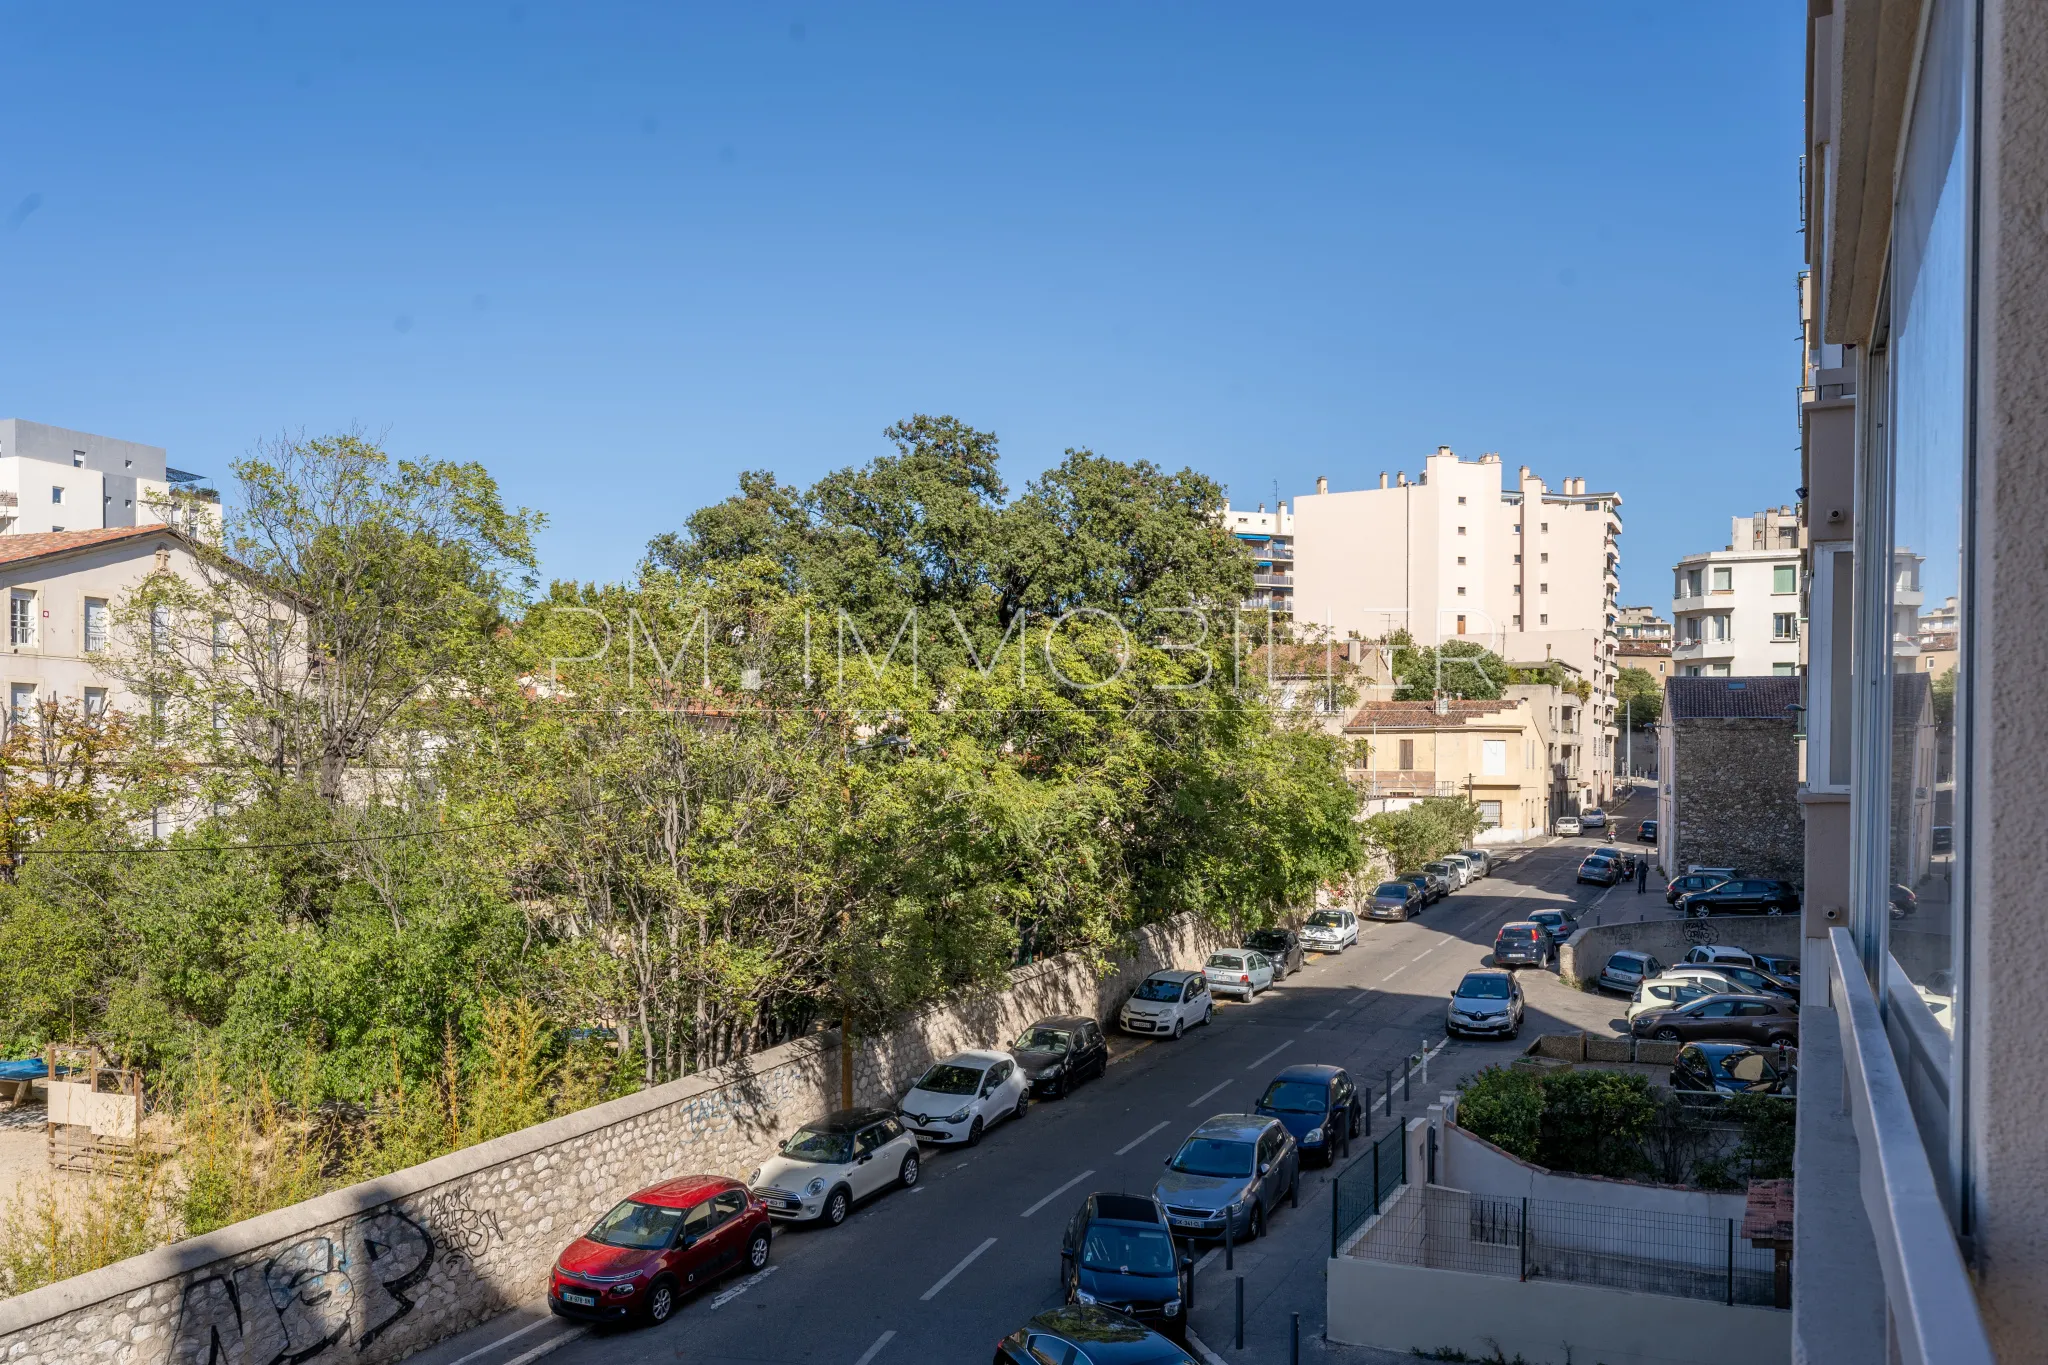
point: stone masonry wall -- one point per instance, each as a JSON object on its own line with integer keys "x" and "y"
{"x": 379, "y": 1270}
{"x": 1736, "y": 783}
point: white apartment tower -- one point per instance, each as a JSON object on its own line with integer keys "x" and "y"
{"x": 1735, "y": 612}
{"x": 54, "y": 479}
{"x": 1525, "y": 571}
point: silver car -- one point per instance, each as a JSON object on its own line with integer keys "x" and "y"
{"x": 1627, "y": 970}
{"x": 1485, "y": 1003}
{"x": 1233, "y": 1171}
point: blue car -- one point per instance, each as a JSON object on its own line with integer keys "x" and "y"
{"x": 1318, "y": 1105}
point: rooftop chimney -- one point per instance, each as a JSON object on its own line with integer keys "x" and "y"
{"x": 1262, "y": 507}
{"x": 1443, "y": 450}
{"x": 1322, "y": 484}
{"x": 1490, "y": 457}
{"x": 1525, "y": 473}
{"x": 1401, "y": 478}
{"x": 1383, "y": 478}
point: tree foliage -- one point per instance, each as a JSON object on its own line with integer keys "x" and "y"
{"x": 1641, "y": 696}
{"x": 1423, "y": 832}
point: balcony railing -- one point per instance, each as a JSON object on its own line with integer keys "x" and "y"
{"x": 1273, "y": 580}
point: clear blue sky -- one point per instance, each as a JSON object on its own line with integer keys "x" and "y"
{"x": 620, "y": 253}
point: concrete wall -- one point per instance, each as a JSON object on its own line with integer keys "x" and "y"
{"x": 1736, "y": 785}
{"x": 382, "y": 1269}
{"x": 1583, "y": 955}
{"x": 1475, "y": 1165}
{"x": 1406, "y": 1308}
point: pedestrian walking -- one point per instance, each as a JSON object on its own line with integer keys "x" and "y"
{"x": 1642, "y": 874}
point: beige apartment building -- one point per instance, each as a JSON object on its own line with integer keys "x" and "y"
{"x": 1528, "y": 572}
{"x": 1513, "y": 757}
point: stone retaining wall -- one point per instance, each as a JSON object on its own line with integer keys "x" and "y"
{"x": 1583, "y": 955}
{"x": 379, "y": 1270}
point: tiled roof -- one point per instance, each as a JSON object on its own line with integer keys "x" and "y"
{"x": 36, "y": 544}
{"x": 1726, "y": 698}
{"x": 1423, "y": 715}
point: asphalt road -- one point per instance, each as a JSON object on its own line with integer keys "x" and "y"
{"x": 941, "y": 1272}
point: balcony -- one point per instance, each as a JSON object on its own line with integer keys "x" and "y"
{"x": 1273, "y": 580}
{"x": 1372, "y": 782}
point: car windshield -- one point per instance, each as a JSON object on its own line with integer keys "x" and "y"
{"x": 1518, "y": 933}
{"x": 641, "y": 1227}
{"x": 1394, "y": 890}
{"x": 1622, "y": 962}
{"x": 1213, "y": 1156}
{"x": 810, "y": 1144}
{"x": 1296, "y": 1097}
{"x": 1228, "y": 960}
{"x": 1043, "y": 1040}
{"x": 1158, "y": 988}
{"x": 1483, "y": 988}
{"x": 947, "y": 1079}
{"x": 1268, "y": 941}
{"x": 1324, "y": 919}
{"x": 1126, "y": 1250}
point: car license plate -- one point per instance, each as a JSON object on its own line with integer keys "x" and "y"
{"x": 1178, "y": 1221}
{"x": 586, "y": 1300}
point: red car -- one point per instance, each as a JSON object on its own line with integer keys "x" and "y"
{"x": 657, "y": 1246}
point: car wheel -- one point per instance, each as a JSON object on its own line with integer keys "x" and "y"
{"x": 1180, "y": 1027}
{"x": 974, "y": 1134}
{"x": 1209, "y": 1013}
{"x": 909, "y": 1171}
{"x": 1023, "y": 1103}
{"x": 1781, "y": 1040}
{"x": 1357, "y": 1120}
{"x": 1256, "y": 1228}
{"x": 661, "y": 1301}
{"x": 1667, "y": 1035}
{"x": 757, "y": 1251}
{"x": 1061, "y": 1086}
{"x": 1775, "y": 910}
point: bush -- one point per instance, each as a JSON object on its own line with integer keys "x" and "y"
{"x": 1505, "y": 1107}
{"x": 1585, "y": 1122}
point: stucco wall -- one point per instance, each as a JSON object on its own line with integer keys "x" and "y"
{"x": 377, "y": 1271}
{"x": 1583, "y": 955}
{"x": 1405, "y": 1308}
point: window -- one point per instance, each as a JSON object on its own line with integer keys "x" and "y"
{"x": 1692, "y": 583}
{"x": 1784, "y": 670}
{"x": 1461, "y": 530}
{"x": 1461, "y": 502}
{"x": 1720, "y": 622}
{"x": 21, "y": 618}
{"x": 159, "y": 627}
{"x": 95, "y": 701}
{"x": 1493, "y": 757}
{"x": 1692, "y": 670}
{"x": 1518, "y": 559}
{"x": 1518, "y": 528}
{"x": 1784, "y": 625}
{"x": 1461, "y": 559}
{"x": 1692, "y": 629}
{"x": 1461, "y": 592}
{"x": 220, "y": 638}
{"x": 56, "y": 528}
{"x": 21, "y": 702}
{"x": 1543, "y": 558}
{"x": 1407, "y": 755}
{"x": 78, "y": 459}
{"x": 1461, "y": 619}
{"x": 56, "y": 493}
{"x": 1543, "y": 620}
{"x": 1784, "y": 579}
{"x": 1489, "y": 814}
{"x": 1518, "y": 619}
{"x": 95, "y": 624}
{"x": 1724, "y": 580}
{"x": 1545, "y": 527}
{"x": 1517, "y": 589}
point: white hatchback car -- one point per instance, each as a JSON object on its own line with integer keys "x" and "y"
{"x": 1568, "y": 826}
{"x": 827, "y": 1164}
{"x": 1169, "y": 1003}
{"x": 961, "y": 1098}
{"x": 1329, "y": 931}
{"x": 1238, "y": 971}
{"x": 1667, "y": 993}
{"x": 1712, "y": 954}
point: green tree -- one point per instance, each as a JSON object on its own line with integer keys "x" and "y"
{"x": 1641, "y": 696}
{"x": 1504, "y": 1106}
{"x": 1457, "y": 668}
{"x": 1424, "y": 831}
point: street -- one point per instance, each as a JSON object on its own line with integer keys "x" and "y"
{"x": 941, "y": 1271}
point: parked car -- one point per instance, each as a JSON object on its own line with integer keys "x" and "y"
{"x": 658, "y": 1245}
{"x": 1627, "y": 969}
{"x": 1481, "y": 860}
{"x": 1059, "y": 1053}
{"x": 1453, "y": 878}
{"x": 1119, "y": 1253}
{"x": 1467, "y": 872}
{"x": 1646, "y": 831}
{"x": 1688, "y": 882}
{"x": 1714, "y": 954}
{"x": 1238, "y": 971}
{"x": 1668, "y": 992}
{"x": 1522, "y": 943}
{"x": 1393, "y": 900}
{"x": 1169, "y": 1003}
{"x": 1568, "y": 827}
{"x": 830, "y": 1163}
{"x": 1944, "y": 839}
{"x": 1778, "y": 965}
{"x": 1733, "y": 1069}
{"x": 1439, "y": 881}
{"x": 1600, "y": 871}
{"x": 1281, "y": 947}
{"x": 1234, "y": 1166}
{"x": 1744, "y": 896}
{"x": 1713, "y": 978}
{"x": 1485, "y": 1002}
{"x": 1593, "y": 819}
{"x": 1431, "y": 889}
{"x": 1904, "y": 902}
{"x": 1330, "y": 931}
{"x": 1317, "y": 1105}
{"x": 1766, "y": 1019}
{"x": 961, "y": 1098}
{"x": 1556, "y": 923}
{"x": 1087, "y": 1334}
{"x": 1756, "y": 981}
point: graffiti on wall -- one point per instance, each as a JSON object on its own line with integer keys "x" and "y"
{"x": 296, "y": 1303}
{"x": 460, "y": 1231}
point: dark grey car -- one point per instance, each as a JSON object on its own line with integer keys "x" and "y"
{"x": 1235, "y": 1167}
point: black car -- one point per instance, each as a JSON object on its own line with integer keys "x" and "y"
{"x": 1689, "y": 883}
{"x": 1282, "y": 948}
{"x": 1523, "y": 943}
{"x": 1087, "y": 1332}
{"x": 1430, "y": 887}
{"x": 1600, "y": 871}
{"x": 1059, "y": 1053}
{"x": 1119, "y": 1253}
{"x": 1646, "y": 832}
{"x": 1742, "y": 896}
{"x": 1734, "y": 1069}
{"x": 1318, "y": 1104}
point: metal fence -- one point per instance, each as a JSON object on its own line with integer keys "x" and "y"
{"x": 1688, "y": 1256}
{"x": 1361, "y": 1189}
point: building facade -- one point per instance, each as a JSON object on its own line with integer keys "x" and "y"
{"x": 1268, "y": 538}
{"x": 1922, "y": 1156}
{"x": 1736, "y": 612}
{"x": 1528, "y": 572}
{"x": 1511, "y": 757}
{"x": 1728, "y": 777}
{"x": 53, "y": 479}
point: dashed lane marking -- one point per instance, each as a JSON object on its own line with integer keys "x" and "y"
{"x": 1224, "y": 1085}
{"x": 546, "y": 1347}
{"x": 947, "y": 1278}
{"x": 1139, "y": 1138}
{"x": 501, "y": 1341}
{"x": 871, "y": 1352}
{"x": 1269, "y": 1055}
{"x": 1055, "y": 1194}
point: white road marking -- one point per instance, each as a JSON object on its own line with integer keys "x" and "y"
{"x": 1224, "y": 1085}
{"x": 547, "y": 1346}
{"x": 1334, "y": 1013}
{"x": 1361, "y": 997}
{"x": 876, "y": 1349}
{"x": 1055, "y": 1194}
{"x": 1270, "y": 1055}
{"x": 947, "y": 1278}
{"x": 742, "y": 1287}
{"x": 1139, "y": 1138}
{"x": 501, "y": 1341}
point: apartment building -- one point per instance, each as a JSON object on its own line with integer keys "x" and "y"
{"x": 1268, "y": 538}
{"x": 53, "y": 479}
{"x": 1524, "y": 570}
{"x": 1735, "y": 612}
{"x": 1512, "y": 757}
{"x": 1641, "y": 624}
{"x": 1922, "y": 1157}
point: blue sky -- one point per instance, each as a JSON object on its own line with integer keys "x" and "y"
{"x": 619, "y": 253}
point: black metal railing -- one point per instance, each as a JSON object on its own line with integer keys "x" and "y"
{"x": 1361, "y": 1189}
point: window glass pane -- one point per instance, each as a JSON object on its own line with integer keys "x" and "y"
{"x": 1928, "y": 407}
